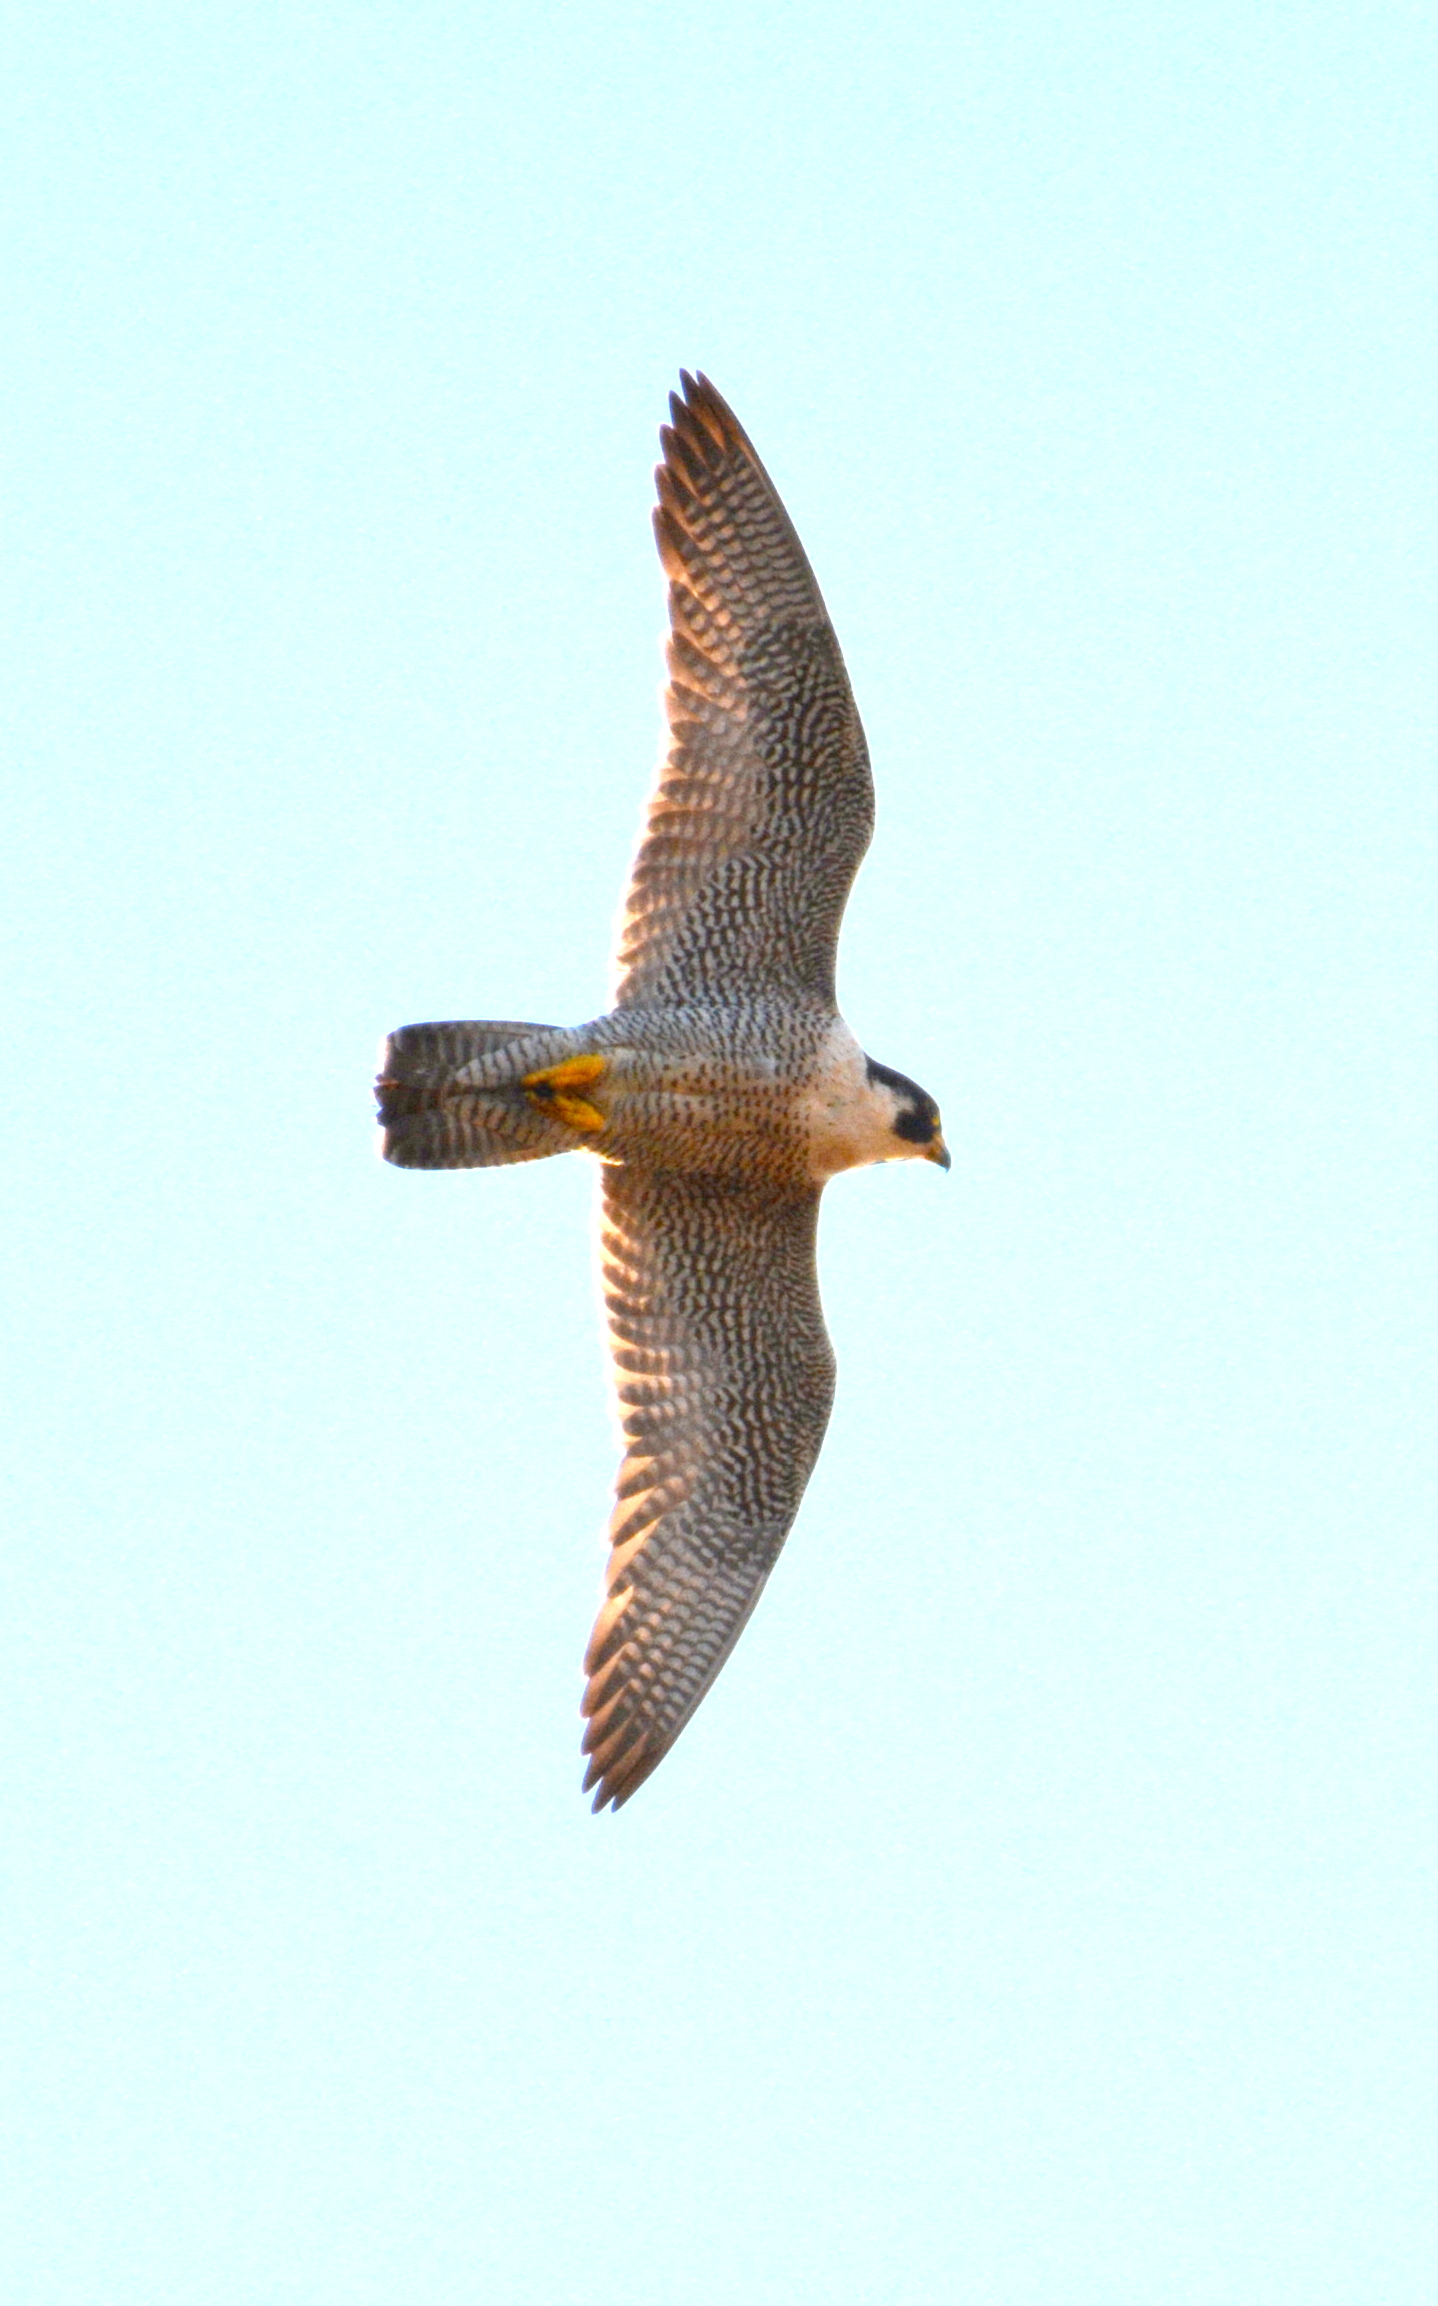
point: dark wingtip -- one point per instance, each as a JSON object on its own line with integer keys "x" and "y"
{"x": 704, "y": 404}
{"x": 620, "y": 1766}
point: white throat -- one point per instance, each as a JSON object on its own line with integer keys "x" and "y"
{"x": 848, "y": 1120}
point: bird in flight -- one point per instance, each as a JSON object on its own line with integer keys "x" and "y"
{"x": 720, "y": 1093}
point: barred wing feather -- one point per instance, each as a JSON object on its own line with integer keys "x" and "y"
{"x": 765, "y": 804}
{"x": 724, "y": 1377}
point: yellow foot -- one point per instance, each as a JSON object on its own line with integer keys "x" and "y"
{"x": 552, "y": 1090}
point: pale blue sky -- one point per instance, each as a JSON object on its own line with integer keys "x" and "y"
{"x": 1041, "y": 1910}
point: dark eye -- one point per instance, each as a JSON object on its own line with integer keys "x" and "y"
{"x": 914, "y": 1127}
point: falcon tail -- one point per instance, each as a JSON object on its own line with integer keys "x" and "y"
{"x": 441, "y": 1107}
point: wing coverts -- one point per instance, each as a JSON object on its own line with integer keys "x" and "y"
{"x": 765, "y": 804}
{"x": 724, "y": 1378}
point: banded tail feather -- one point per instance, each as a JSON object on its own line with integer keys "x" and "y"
{"x": 438, "y": 1111}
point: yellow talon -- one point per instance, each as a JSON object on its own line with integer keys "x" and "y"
{"x": 578, "y": 1113}
{"x": 574, "y": 1073}
{"x": 552, "y": 1088}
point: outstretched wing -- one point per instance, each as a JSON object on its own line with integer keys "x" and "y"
{"x": 724, "y": 1376}
{"x": 765, "y": 804}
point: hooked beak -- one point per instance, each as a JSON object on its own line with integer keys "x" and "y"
{"x": 938, "y": 1151}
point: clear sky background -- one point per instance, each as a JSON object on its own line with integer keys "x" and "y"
{"x": 1040, "y": 1912}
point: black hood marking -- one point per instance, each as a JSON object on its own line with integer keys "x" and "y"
{"x": 918, "y": 1120}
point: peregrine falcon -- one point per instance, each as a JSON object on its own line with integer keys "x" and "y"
{"x": 720, "y": 1093}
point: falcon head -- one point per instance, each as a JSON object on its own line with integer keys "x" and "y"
{"x": 915, "y": 1116}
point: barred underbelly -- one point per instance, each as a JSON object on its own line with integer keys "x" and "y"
{"x": 722, "y": 1094}
{"x": 747, "y": 1127}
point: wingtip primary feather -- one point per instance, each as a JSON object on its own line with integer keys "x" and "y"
{"x": 614, "y": 1781}
{"x": 703, "y": 422}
